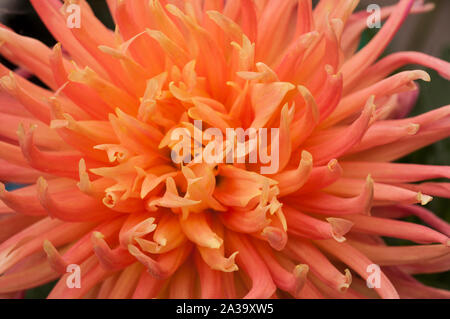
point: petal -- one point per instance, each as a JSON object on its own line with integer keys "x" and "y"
{"x": 358, "y": 262}
{"x": 250, "y": 261}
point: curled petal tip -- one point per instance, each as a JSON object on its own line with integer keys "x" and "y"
{"x": 348, "y": 281}
{"x": 329, "y": 69}
{"x": 8, "y": 82}
{"x": 214, "y": 243}
{"x": 97, "y": 235}
{"x": 42, "y": 185}
{"x": 113, "y": 52}
{"x": 413, "y": 128}
{"x": 161, "y": 241}
{"x": 152, "y": 266}
{"x": 110, "y": 200}
{"x": 54, "y": 258}
{"x": 230, "y": 263}
{"x": 84, "y": 184}
{"x": 82, "y": 165}
{"x": 56, "y": 124}
{"x": 332, "y": 165}
{"x": 420, "y": 74}
{"x": 339, "y": 227}
{"x": 300, "y": 273}
{"x": 370, "y": 107}
{"x": 21, "y": 133}
{"x": 301, "y": 269}
{"x": 307, "y": 157}
{"x": 276, "y": 237}
{"x": 423, "y": 199}
{"x": 132, "y": 249}
{"x": 57, "y": 47}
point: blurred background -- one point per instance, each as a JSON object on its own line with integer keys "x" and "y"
{"x": 428, "y": 33}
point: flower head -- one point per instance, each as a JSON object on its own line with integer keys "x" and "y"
{"x": 97, "y": 146}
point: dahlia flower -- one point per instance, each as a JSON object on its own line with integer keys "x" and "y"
{"x": 94, "y": 148}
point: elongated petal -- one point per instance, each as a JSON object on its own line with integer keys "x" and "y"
{"x": 262, "y": 284}
{"x": 399, "y": 229}
{"x": 358, "y": 262}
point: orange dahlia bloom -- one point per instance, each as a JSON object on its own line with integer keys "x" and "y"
{"x": 103, "y": 192}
